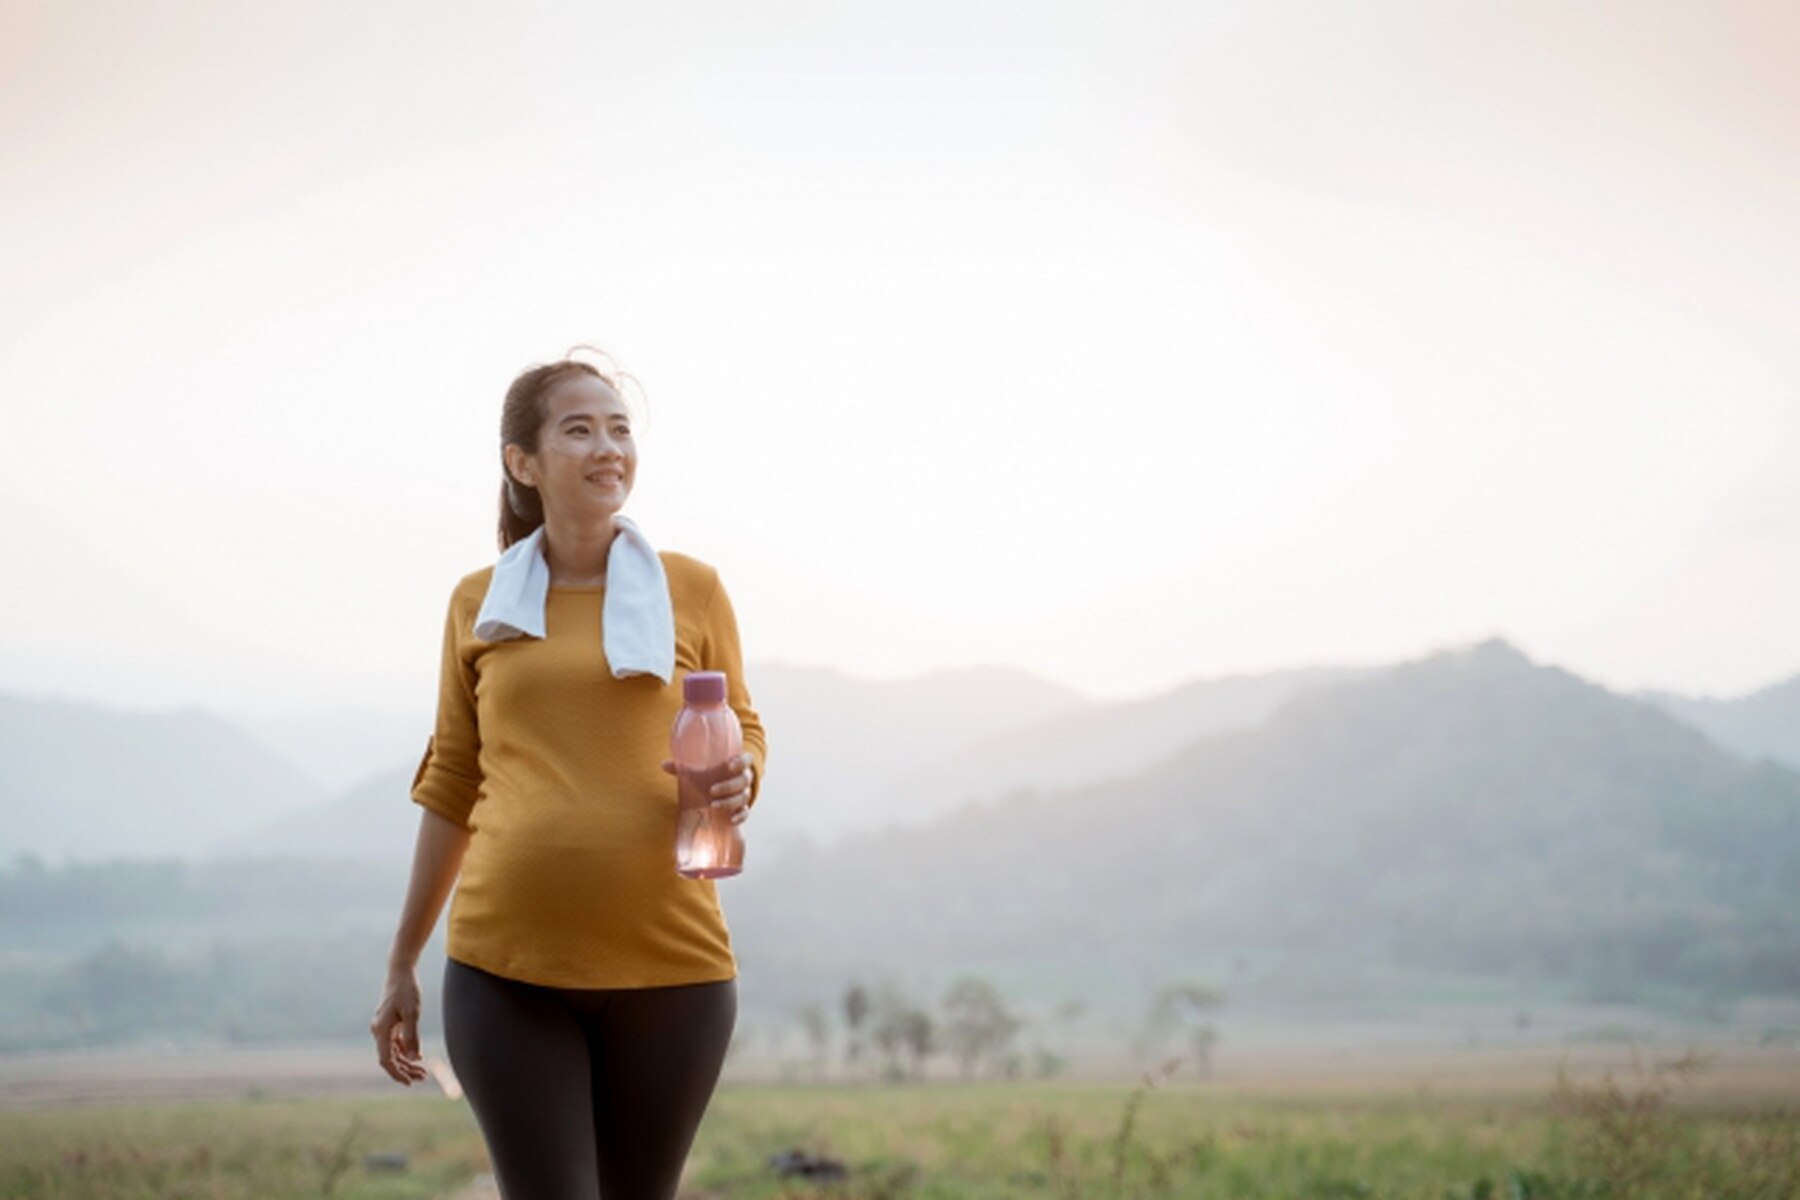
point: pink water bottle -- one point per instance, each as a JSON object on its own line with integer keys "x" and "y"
{"x": 705, "y": 740}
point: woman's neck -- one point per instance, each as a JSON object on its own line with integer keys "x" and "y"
{"x": 577, "y": 556}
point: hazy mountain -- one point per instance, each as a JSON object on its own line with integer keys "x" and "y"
{"x": 1103, "y": 741}
{"x": 1468, "y": 811}
{"x": 1465, "y": 816}
{"x": 83, "y": 780}
{"x": 170, "y": 903}
{"x": 838, "y": 744}
{"x": 376, "y": 819}
{"x": 343, "y": 747}
{"x": 1765, "y": 722}
{"x": 848, "y": 755}
{"x": 837, "y": 747}
{"x": 90, "y": 782}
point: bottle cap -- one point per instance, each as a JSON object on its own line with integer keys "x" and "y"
{"x": 703, "y": 687}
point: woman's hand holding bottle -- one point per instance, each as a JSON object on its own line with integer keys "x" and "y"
{"x": 731, "y": 795}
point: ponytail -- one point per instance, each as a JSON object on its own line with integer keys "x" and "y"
{"x": 521, "y": 510}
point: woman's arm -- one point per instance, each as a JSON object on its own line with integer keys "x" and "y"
{"x": 437, "y": 858}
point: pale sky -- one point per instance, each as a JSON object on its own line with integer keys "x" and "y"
{"x": 1124, "y": 344}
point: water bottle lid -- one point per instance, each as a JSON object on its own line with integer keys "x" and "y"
{"x": 703, "y": 687}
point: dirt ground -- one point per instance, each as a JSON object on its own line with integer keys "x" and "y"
{"x": 1733, "y": 1073}
{"x": 139, "y": 1076}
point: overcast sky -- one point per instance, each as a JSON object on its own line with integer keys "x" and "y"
{"x": 1124, "y": 344}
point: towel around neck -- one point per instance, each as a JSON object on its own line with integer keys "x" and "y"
{"x": 637, "y": 620}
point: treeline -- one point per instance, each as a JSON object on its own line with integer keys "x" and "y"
{"x": 161, "y": 949}
{"x": 324, "y": 987}
{"x": 884, "y": 1032}
{"x": 282, "y": 989}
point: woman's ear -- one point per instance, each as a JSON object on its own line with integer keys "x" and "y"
{"x": 518, "y": 464}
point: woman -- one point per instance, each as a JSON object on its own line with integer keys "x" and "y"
{"x": 590, "y": 991}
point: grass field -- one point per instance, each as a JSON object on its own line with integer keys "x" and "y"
{"x": 227, "y": 1150}
{"x": 1636, "y": 1137}
{"x": 1660, "y": 1131}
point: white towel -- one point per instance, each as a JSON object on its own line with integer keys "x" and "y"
{"x": 637, "y": 619}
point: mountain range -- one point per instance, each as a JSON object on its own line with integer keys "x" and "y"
{"x": 84, "y": 782}
{"x": 1468, "y": 812}
{"x": 80, "y": 781}
{"x": 1327, "y": 837}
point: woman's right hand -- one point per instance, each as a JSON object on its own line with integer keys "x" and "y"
{"x": 396, "y": 1027}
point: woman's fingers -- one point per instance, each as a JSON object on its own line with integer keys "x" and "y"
{"x": 397, "y": 1044}
{"x": 733, "y": 795}
{"x": 390, "y": 1059}
{"x": 409, "y": 1067}
{"x": 409, "y": 1046}
{"x": 740, "y": 781}
{"x": 390, "y": 1062}
{"x": 388, "y": 1052}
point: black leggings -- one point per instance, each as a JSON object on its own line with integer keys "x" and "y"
{"x": 585, "y": 1093}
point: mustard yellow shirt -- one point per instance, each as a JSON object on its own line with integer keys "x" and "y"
{"x": 554, "y": 767}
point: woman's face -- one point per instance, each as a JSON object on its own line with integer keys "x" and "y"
{"x": 586, "y": 460}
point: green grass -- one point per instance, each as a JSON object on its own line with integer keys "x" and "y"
{"x": 1066, "y": 1141}
{"x": 245, "y": 1150}
{"x": 1615, "y": 1139}
{"x": 1097, "y": 1141}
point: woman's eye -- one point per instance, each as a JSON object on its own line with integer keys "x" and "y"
{"x": 578, "y": 430}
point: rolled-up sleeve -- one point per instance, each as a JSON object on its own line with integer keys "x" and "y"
{"x": 448, "y": 780}
{"x": 722, "y": 652}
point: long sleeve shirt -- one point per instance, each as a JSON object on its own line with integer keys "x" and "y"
{"x": 554, "y": 767}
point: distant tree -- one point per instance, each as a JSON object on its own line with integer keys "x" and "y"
{"x": 116, "y": 991}
{"x": 1182, "y": 1008}
{"x": 856, "y": 1011}
{"x": 887, "y": 1015}
{"x": 919, "y": 1032}
{"x": 977, "y": 1024}
{"x": 1202, "y": 1039}
{"x": 818, "y": 1035}
{"x": 898, "y": 1027}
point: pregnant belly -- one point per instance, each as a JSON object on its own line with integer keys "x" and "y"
{"x": 564, "y": 862}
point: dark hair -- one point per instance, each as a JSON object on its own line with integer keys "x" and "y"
{"x": 521, "y": 420}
